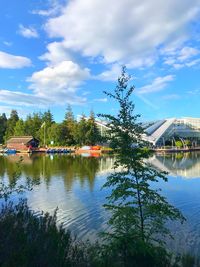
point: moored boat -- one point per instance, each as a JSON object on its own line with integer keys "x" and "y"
{"x": 10, "y": 151}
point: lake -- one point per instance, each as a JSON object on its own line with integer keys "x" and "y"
{"x": 74, "y": 185}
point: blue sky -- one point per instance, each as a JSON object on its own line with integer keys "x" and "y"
{"x": 56, "y": 52}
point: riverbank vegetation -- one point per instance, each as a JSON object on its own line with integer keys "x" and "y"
{"x": 69, "y": 132}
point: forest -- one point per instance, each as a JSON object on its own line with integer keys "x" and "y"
{"x": 70, "y": 132}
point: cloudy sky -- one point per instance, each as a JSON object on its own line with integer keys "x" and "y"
{"x": 57, "y": 52}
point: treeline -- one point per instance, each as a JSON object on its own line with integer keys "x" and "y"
{"x": 43, "y": 127}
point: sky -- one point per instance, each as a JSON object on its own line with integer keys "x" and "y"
{"x": 57, "y": 52}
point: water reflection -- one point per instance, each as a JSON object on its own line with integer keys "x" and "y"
{"x": 71, "y": 183}
{"x": 74, "y": 185}
{"x": 186, "y": 165}
{"x": 183, "y": 191}
{"x": 69, "y": 168}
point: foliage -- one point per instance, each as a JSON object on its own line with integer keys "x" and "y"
{"x": 178, "y": 143}
{"x": 188, "y": 143}
{"x": 33, "y": 125}
{"x": 43, "y": 133}
{"x": 55, "y": 134}
{"x": 19, "y": 129}
{"x": 69, "y": 125}
{"x": 81, "y": 130}
{"x": 3, "y": 126}
{"x": 11, "y": 123}
{"x": 92, "y": 134}
{"x": 6, "y": 190}
{"x": 138, "y": 212}
{"x": 27, "y": 239}
{"x": 42, "y": 126}
{"x": 30, "y": 240}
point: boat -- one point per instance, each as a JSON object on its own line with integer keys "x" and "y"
{"x": 58, "y": 151}
{"x": 10, "y": 151}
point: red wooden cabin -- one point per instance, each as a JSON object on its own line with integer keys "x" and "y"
{"x": 22, "y": 143}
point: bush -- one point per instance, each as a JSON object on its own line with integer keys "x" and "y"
{"x": 179, "y": 144}
{"x": 36, "y": 241}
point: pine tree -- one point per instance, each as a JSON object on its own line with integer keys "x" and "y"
{"x": 138, "y": 212}
{"x": 33, "y": 124}
{"x": 69, "y": 126}
{"x": 46, "y": 122}
{"x": 19, "y": 128}
{"x": 47, "y": 117}
{"x": 80, "y": 131}
{"x": 92, "y": 134}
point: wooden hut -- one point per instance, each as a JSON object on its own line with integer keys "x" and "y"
{"x": 22, "y": 143}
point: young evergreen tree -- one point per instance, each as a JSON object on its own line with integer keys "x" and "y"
{"x": 138, "y": 212}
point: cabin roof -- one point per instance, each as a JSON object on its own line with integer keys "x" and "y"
{"x": 20, "y": 139}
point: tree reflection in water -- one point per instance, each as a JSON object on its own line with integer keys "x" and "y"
{"x": 70, "y": 167}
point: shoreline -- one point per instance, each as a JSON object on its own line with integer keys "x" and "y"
{"x": 79, "y": 151}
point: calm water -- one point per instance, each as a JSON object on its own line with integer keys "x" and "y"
{"x": 73, "y": 184}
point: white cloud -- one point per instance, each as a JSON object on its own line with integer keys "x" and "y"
{"x": 7, "y": 109}
{"x": 111, "y": 74}
{"x": 158, "y": 84}
{"x": 147, "y": 101}
{"x": 9, "y": 61}
{"x": 184, "y": 57}
{"x": 21, "y": 99}
{"x": 101, "y": 99}
{"x": 53, "y": 85}
{"x": 54, "y": 8}
{"x": 28, "y": 32}
{"x": 193, "y": 62}
{"x": 131, "y": 34}
{"x": 56, "y": 53}
{"x": 187, "y": 53}
{"x": 59, "y": 80}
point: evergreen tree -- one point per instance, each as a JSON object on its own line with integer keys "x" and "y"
{"x": 3, "y": 125}
{"x": 19, "y": 128}
{"x": 92, "y": 134}
{"x": 47, "y": 117}
{"x": 81, "y": 130}
{"x": 55, "y": 134}
{"x": 138, "y": 212}
{"x": 46, "y": 123}
{"x": 33, "y": 124}
{"x": 69, "y": 126}
{"x": 11, "y": 122}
